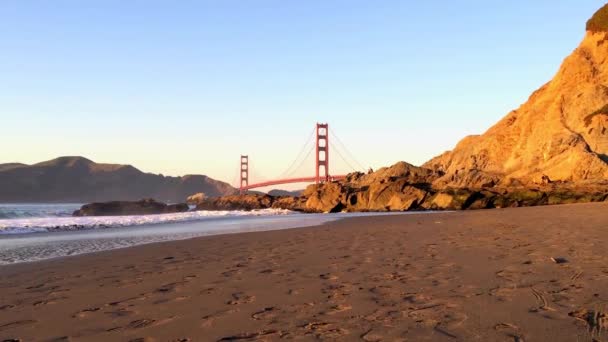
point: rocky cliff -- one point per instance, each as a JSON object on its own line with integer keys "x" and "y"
{"x": 77, "y": 179}
{"x": 560, "y": 133}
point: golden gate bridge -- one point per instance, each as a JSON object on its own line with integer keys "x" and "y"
{"x": 322, "y": 173}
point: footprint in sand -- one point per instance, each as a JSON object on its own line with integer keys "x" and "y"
{"x": 252, "y": 336}
{"x": 208, "y": 320}
{"x": 597, "y": 321}
{"x": 84, "y": 313}
{"x": 171, "y": 287}
{"x": 291, "y": 292}
{"x": 266, "y": 313}
{"x": 339, "y": 308}
{"x": 542, "y": 301}
{"x": 208, "y": 291}
{"x": 143, "y": 323}
{"x": 511, "y": 330}
{"x": 328, "y": 276}
{"x": 324, "y": 330}
{"x": 231, "y": 273}
{"x": 120, "y": 313}
{"x": 240, "y": 298}
{"x": 48, "y": 301}
{"x": 16, "y": 324}
{"x": 503, "y": 294}
{"x": 371, "y": 336}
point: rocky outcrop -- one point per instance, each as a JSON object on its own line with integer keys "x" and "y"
{"x": 237, "y": 202}
{"x": 396, "y": 188}
{"x": 561, "y": 132}
{"x": 196, "y": 198}
{"x": 118, "y": 208}
{"x": 254, "y": 202}
{"x": 399, "y": 197}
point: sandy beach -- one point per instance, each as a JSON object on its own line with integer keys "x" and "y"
{"x": 484, "y": 275}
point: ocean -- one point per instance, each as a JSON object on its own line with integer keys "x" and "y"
{"x": 32, "y": 232}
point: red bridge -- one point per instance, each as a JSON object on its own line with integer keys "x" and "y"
{"x": 322, "y": 173}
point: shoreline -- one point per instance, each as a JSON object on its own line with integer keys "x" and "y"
{"x": 34, "y": 246}
{"x": 470, "y": 274}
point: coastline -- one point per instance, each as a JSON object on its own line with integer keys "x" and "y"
{"x": 467, "y": 275}
{"x": 33, "y": 243}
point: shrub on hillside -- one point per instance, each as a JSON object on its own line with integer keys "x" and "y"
{"x": 599, "y": 21}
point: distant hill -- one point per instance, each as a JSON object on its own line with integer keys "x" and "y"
{"x": 9, "y": 166}
{"x": 77, "y": 179}
{"x": 279, "y": 192}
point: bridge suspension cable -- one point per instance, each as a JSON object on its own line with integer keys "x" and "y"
{"x": 321, "y": 159}
{"x": 308, "y": 141}
{"x": 310, "y": 150}
{"x": 343, "y": 146}
{"x": 236, "y": 177}
{"x": 344, "y": 159}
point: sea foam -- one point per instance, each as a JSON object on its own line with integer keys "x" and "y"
{"x": 50, "y": 224}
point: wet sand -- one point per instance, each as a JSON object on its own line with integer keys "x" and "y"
{"x": 462, "y": 276}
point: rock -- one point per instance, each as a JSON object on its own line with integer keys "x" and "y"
{"x": 451, "y": 199}
{"x": 177, "y": 208}
{"x": 196, "y": 198}
{"x": 397, "y": 195}
{"x": 401, "y": 170}
{"x": 117, "y": 208}
{"x": 559, "y": 134}
{"x": 290, "y": 203}
{"x": 396, "y": 188}
{"x": 325, "y": 198}
{"x": 442, "y": 201}
{"x": 237, "y": 202}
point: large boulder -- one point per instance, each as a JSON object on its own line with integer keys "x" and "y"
{"x": 117, "y": 208}
{"x": 397, "y": 188}
{"x": 386, "y": 195}
{"x": 290, "y": 203}
{"x": 327, "y": 197}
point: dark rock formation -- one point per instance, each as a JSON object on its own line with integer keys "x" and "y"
{"x": 236, "y": 202}
{"x": 117, "y": 208}
{"x": 254, "y": 202}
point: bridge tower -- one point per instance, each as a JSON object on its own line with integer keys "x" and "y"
{"x": 322, "y": 155}
{"x": 244, "y": 173}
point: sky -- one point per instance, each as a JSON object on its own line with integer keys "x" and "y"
{"x": 186, "y": 87}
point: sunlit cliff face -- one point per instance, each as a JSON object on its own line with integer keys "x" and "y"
{"x": 597, "y": 134}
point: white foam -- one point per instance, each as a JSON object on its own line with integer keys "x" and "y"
{"x": 50, "y": 224}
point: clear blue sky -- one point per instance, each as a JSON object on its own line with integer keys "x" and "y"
{"x": 179, "y": 87}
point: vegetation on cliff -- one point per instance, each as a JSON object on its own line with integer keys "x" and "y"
{"x": 599, "y": 21}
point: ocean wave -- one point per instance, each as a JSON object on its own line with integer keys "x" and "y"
{"x": 15, "y": 211}
{"x": 50, "y": 224}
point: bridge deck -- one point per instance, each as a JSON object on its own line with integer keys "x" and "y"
{"x": 288, "y": 181}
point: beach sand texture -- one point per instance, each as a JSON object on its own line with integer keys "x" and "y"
{"x": 483, "y": 275}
